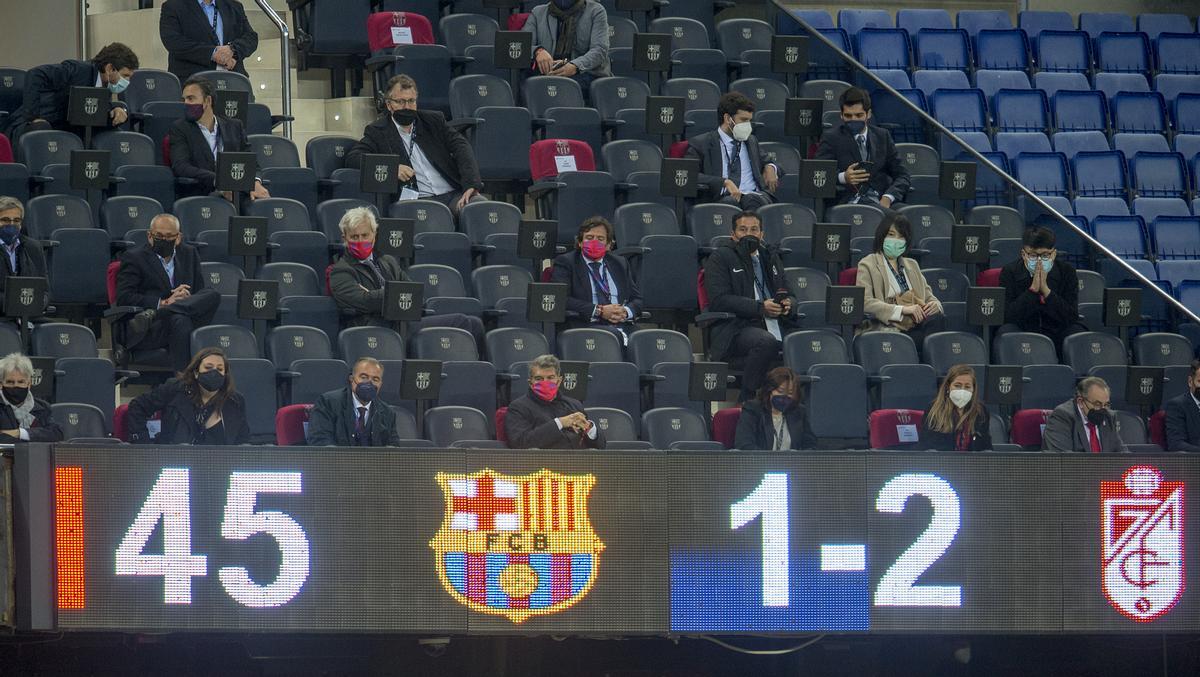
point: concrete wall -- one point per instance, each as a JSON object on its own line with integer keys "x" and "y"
{"x": 38, "y": 32}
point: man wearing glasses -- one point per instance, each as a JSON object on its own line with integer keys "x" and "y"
{"x": 1041, "y": 292}
{"x": 1084, "y": 423}
{"x": 436, "y": 162}
{"x": 22, "y": 254}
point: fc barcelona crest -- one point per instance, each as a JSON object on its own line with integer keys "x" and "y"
{"x": 653, "y": 52}
{"x": 1006, "y": 384}
{"x": 231, "y": 108}
{"x": 237, "y": 170}
{"x": 224, "y": 341}
{"x": 1146, "y": 386}
{"x": 259, "y": 300}
{"x": 562, "y": 147}
{"x": 971, "y": 243}
{"x": 681, "y": 177}
{"x": 959, "y": 180}
{"x": 791, "y": 54}
{"x": 710, "y": 381}
{"x": 1124, "y": 307}
{"x": 833, "y": 242}
{"x": 493, "y": 217}
{"x": 1141, "y": 529}
{"x": 514, "y": 50}
{"x": 381, "y": 173}
{"x": 516, "y": 545}
{"x": 647, "y": 218}
{"x": 404, "y": 300}
{"x": 666, "y": 114}
{"x": 570, "y": 380}
{"x": 551, "y": 90}
{"x": 372, "y": 342}
{"x": 26, "y": 296}
{"x": 539, "y": 238}
{"x": 847, "y": 305}
{"x": 133, "y": 212}
{"x": 988, "y": 307}
{"x": 819, "y": 178}
{"x": 249, "y": 236}
{"x": 396, "y": 238}
{"x": 91, "y": 104}
{"x": 548, "y": 302}
{"x": 482, "y": 89}
{"x": 424, "y": 378}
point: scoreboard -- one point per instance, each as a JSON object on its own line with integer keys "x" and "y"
{"x": 610, "y": 543}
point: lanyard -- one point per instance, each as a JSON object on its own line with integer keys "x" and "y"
{"x": 213, "y": 6}
{"x": 600, "y": 280}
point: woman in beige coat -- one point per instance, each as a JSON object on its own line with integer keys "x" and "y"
{"x": 897, "y": 296}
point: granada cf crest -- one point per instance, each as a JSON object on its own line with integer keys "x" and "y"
{"x": 516, "y": 546}
{"x": 1141, "y": 528}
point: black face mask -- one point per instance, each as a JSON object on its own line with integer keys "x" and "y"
{"x": 1097, "y": 417}
{"x": 211, "y": 380}
{"x": 749, "y": 244}
{"x": 164, "y": 248}
{"x": 15, "y": 395}
{"x": 404, "y": 117}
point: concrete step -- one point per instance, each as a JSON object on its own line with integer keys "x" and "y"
{"x": 349, "y": 116}
{"x": 268, "y": 82}
{"x": 309, "y": 113}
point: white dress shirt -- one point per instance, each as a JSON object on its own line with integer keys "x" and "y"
{"x": 429, "y": 180}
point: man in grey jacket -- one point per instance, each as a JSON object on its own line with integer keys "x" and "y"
{"x": 1084, "y": 423}
{"x": 570, "y": 39}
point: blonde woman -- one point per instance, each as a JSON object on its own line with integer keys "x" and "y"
{"x": 957, "y": 419}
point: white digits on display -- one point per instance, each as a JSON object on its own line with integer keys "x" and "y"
{"x": 169, "y": 502}
{"x": 770, "y": 500}
{"x": 897, "y": 588}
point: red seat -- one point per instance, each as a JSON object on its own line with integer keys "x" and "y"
{"x": 988, "y": 278}
{"x": 414, "y": 29}
{"x": 501, "y": 433}
{"x": 1158, "y": 428}
{"x": 289, "y": 424}
{"x": 678, "y": 149}
{"x": 166, "y": 151}
{"x": 1027, "y": 427}
{"x": 517, "y": 21}
{"x": 121, "y": 424}
{"x": 6, "y": 153}
{"x": 114, "y": 267}
{"x": 724, "y": 425}
{"x": 848, "y": 277}
{"x": 701, "y": 292}
{"x": 888, "y": 424}
{"x": 542, "y": 164}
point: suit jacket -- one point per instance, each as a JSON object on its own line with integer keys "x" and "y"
{"x": 44, "y": 429}
{"x": 358, "y": 307}
{"x": 890, "y": 176}
{"x": 447, "y": 150}
{"x": 590, "y": 51}
{"x": 1027, "y": 310}
{"x": 981, "y": 437}
{"x": 1183, "y": 423}
{"x": 142, "y": 280}
{"x": 707, "y": 149}
{"x": 192, "y": 157}
{"x": 31, "y": 261}
{"x": 756, "y": 430}
{"x": 571, "y": 269}
{"x": 331, "y": 422}
{"x": 189, "y": 37}
{"x": 530, "y": 424}
{"x": 729, "y": 283}
{"x": 873, "y": 275}
{"x": 178, "y": 414}
{"x": 48, "y": 94}
{"x": 1065, "y": 431}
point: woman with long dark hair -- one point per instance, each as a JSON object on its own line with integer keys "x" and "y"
{"x": 200, "y": 406}
{"x": 775, "y": 419}
{"x": 957, "y": 420}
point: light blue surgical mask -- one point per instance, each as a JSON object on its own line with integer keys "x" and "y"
{"x": 119, "y": 86}
{"x": 893, "y": 247}
{"x": 1031, "y": 264}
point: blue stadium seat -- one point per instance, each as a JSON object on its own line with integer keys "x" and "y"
{"x": 1124, "y": 235}
{"x": 960, "y": 109}
{"x": 621, "y": 31}
{"x": 1113, "y": 83}
{"x": 465, "y": 384}
{"x": 993, "y": 81}
{"x": 1123, "y": 53}
{"x": 896, "y": 77}
{"x": 815, "y": 18}
{"x": 1034, "y": 22}
{"x": 685, "y": 33}
{"x": 1021, "y": 110}
{"x": 854, "y": 20}
{"x": 1076, "y": 111}
{"x": 1131, "y": 144}
{"x": 913, "y": 20}
{"x": 1187, "y": 145}
{"x": 1155, "y": 24}
{"x": 945, "y": 349}
{"x": 1177, "y": 52}
{"x": 1177, "y": 271}
{"x": 1024, "y": 348}
{"x": 1100, "y": 174}
{"x": 1052, "y": 83}
{"x": 929, "y": 80}
{"x": 1176, "y": 237}
{"x": 1002, "y": 50}
{"x": 1064, "y": 51}
{"x": 992, "y": 188}
{"x": 1071, "y": 143}
{"x": 460, "y": 30}
{"x": 1095, "y": 23}
{"x": 826, "y": 64}
{"x": 1186, "y": 113}
{"x": 1015, "y": 143}
{"x": 1171, "y": 85}
{"x": 1090, "y": 349}
{"x": 1160, "y": 175}
{"x": 942, "y": 49}
{"x": 736, "y": 36}
{"x": 1091, "y": 207}
{"x": 281, "y": 214}
{"x": 1150, "y": 208}
{"x": 308, "y": 247}
{"x": 883, "y": 48}
{"x": 698, "y": 94}
{"x": 975, "y": 20}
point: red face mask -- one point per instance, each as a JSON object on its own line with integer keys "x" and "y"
{"x": 547, "y": 390}
{"x": 361, "y": 249}
{"x": 594, "y": 249}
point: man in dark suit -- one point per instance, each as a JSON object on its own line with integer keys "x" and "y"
{"x": 196, "y": 141}
{"x": 1084, "y": 423}
{"x": 206, "y": 35}
{"x": 1183, "y": 415}
{"x": 732, "y": 166}
{"x": 544, "y": 419}
{"x": 164, "y": 277}
{"x": 745, "y": 277}
{"x": 436, "y": 162}
{"x": 23, "y": 255}
{"x": 48, "y": 90}
{"x": 354, "y": 416}
{"x": 1041, "y": 293}
{"x": 869, "y": 168}
{"x": 602, "y": 293}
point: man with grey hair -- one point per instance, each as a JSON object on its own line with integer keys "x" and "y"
{"x": 22, "y": 254}
{"x": 164, "y": 278}
{"x": 545, "y": 419}
{"x": 1084, "y": 423}
{"x": 358, "y": 279}
{"x": 22, "y": 416}
{"x": 354, "y": 416}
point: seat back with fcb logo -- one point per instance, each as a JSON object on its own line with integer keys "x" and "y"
{"x": 545, "y": 162}
{"x": 235, "y": 341}
{"x": 896, "y": 428}
{"x": 289, "y": 343}
{"x": 386, "y": 30}
{"x": 79, "y": 420}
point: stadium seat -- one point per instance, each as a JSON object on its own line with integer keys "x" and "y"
{"x": 1002, "y": 50}
{"x": 1042, "y": 173}
{"x": 1100, "y": 174}
{"x": 886, "y": 425}
{"x": 382, "y": 343}
{"x": 736, "y": 36}
{"x": 1091, "y": 207}
{"x": 202, "y": 213}
{"x": 1080, "y": 111}
{"x": 1072, "y": 143}
{"x": 975, "y": 20}
{"x": 438, "y": 280}
{"x": 613, "y": 94}
{"x": 12, "y": 89}
{"x": 460, "y": 31}
{"x": 308, "y": 379}
{"x": 449, "y": 424}
{"x": 1176, "y": 237}
{"x": 1142, "y": 112}
{"x": 698, "y": 94}
{"x": 1034, "y": 22}
{"x": 1113, "y": 83}
{"x": 1095, "y": 23}
{"x": 281, "y": 213}
{"x": 945, "y": 349}
{"x": 235, "y": 341}
{"x": 1064, "y": 51}
{"x": 875, "y": 350}
{"x": 571, "y": 196}
{"x": 838, "y": 402}
{"x": 1161, "y": 349}
{"x": 1024, "y": 348}
{"x": 941, "y": 49}
{"x": 1178, "y": 271}
{"x": 295, "y": 279}
{"x": 913, "y": 20}
{"x": 666, "y": 426}
{"x": 829, "y": 91}
{"x": 1160, "y": 175}
{"x": 589, "y": 345}
{"x": 1021, "y": 110}
{"x": 1087, "y": 350}
{"x": 667, "y": 260}
{"x": 616, "y": 425}
{"x": 508, "y": 346}
{"x": 127, "y": 148}
{"x": 1123, "y": 53}
{"x": 493, "y": 283}
{"x": 288, "y": 343}
{"x": 78, "y": 268}
{"x": 80, "y": 421}
{"x": 1171, "y": 85}
{"x": 155, "y": 182}
{"x": 307, "y": 247}
{"x": 854, "y": 20}
{"x": 1178, "y": 52}
{"x": 1005, "y": 221}
{"x": 621, "y": 31}
{"x": 803, "y": 349}
{"x": 1124, "y": 235}
{"x": 428, "y": 216}
{"x": 807, "y": 284}
{"x": 1150, "y": 208}
{"x": 119, "y": 215}
{"x": 1027, "y": 427}
{"x": 1013, "y": 144}
{"x": 960, "y": 109}
{"x": 1154, "y": 25}
{"x": 46, "y": 213}
{"x": 1054, "y": 82}
{"x": 766, "y": 94}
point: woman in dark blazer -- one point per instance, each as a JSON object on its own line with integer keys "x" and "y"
{"x": 957, "y": 419}
{"x": 23, "y": 417}
{"x": 775, "y": 420}
{"x": 200, "y": 406}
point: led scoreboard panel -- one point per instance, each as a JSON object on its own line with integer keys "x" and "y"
{"x": 447, "y": 541}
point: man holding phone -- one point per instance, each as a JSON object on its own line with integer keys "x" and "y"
{"x": 869, "y": 168}
{"x": 570, "y": 39}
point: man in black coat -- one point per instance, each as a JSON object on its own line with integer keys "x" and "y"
{"x": 196, "y": 141}
{"x": 204, "y": 35}
{"x": 436, "y": 162}
{"x": 48, "y": 90}
{"x": 732, "y": 165}
{"x": 1041, "y": 293}
{"x": 23, "y": 255}
{"x": 544, "y": 419}
{"x": 602, "y": 293}
{"x": 745, "y": 277}
{"x": 855, "y": 142}
{"x": 354, "y": 416}
{"x": 164, "y": 277}
{"x": 1183, "y": 415}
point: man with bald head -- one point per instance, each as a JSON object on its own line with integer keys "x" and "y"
{"x": 164, "y": 279}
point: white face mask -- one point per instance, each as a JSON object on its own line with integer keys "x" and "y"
{"x": 960, "y": 398}
{"x": 742, "y": 130}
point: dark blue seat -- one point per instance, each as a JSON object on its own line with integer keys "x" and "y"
{"x": 1171, "y": 85}
{"x": 1072, "y": 143}
{"x": 1091, "y": 207}
{"x": 1076, "y": 111}
{"x": 1052, "y": 82}
{"x": 1177, "y": 271}
{"x": 1100, "y": 174}
{"x": 1153, "y": 24}
{"x": 960, "y": 109}
{"x": 1002, "y": 50}
{"x": 1150, "y": 208}
{"x": 975, "y": 20}
{"x": 839, "y": 402}
{"x": 613, "y": 94}
{"x": 282, "y": 214}
{"x": 1095, "y": 23}
{"x": 1178, "y": 52}
{"x": 460, "y": 31}
{"x": 1064, "y": 51}
{"x": 766, "y": 94}
{"x": 942, "y": 49}
{"x": 1176, "y": 237}
{"x": 1160, "y": 175}
{"x": 698, "y": 94}
{"x": 854, "y": 20}
{"x": 1123, "y": 53}
{"x": 1124, "y": 235}
{"x": 1015, "y": 143}
{"x": 668, "y": 259}
{"x": 1186, "y": 113}
{"x": 1131, "y": 143}
{"x": 913, "y": 20}
{"x": 1043, "y": 173}
{"x": 470, "y": 384}
{"x": 1034, "y": 22}
{"x": 1139, "y": 112}
{"x": 78, "y": 267}
{"x": 1113, "y": 83}
{"x": 992, "y": 81}
{"x": 883, "y": 48}
{"x": 736, "y": 36}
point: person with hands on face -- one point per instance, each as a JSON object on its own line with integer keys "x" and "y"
{"x": 1041, "y": 292}
{"x": 601, "y": 291}
{"x": 869, "y": 167}
{"x": 957, "y": 420}
{"x": 544, "y": 418}
{"x": 744, "y": 277}
{"x": 732, "y": 165}
{"x": 775, "y": 420}
{"x": 570, "y": 39}
{"x": 23, "y": 417}
{"x": 1085, "y": 422}
{"x": 197, "y": 140}
{"x": 897, "y": 297}
{"x": 200, "y": 406}
{"x": 354, "y": 416}
{"x": 436, "y": 162}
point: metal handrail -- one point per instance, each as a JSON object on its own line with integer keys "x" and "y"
{"x": 285, "y": 63}
{"x": 83, "y": 41}
{"x": 979, "y": 157}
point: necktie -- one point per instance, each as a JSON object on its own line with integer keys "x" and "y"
{"x": 1094, "y": 436}
{"x": 376, "y": 269}
{"x": 735, "y": 164}
{"x": 601, "y": 284}
{"x": 862, "y": 147}
{"x": 360, "y": 427}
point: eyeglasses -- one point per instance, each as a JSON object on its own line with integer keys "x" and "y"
{"x": 10, "y": 222}
{"x": 1098, "y": 405}
{"x": 403, "y": 102}
{"x": 1044, "y": 258}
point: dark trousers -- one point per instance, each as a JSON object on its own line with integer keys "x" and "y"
{"x": 1056, "y": 337}
{"x": 173, "y": 325}
{"x": 758, "y": 349}
{"x": 931, "y": 325}
{"x": 749, "y": 201}
{"x": 451, "y": 200}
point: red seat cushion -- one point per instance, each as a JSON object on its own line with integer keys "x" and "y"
{"x": 678, "y": 149}
{"x": 1158, "y": 428}
{"x": 289, "y": 424}
{"x": 542, "y": 164}
{"x": 381, "y": 37}
{"x": 6, "y": 152}
{"x": 517, "y": 21}
{"x": 1027, "y": 426}
{"x": 114, "y": 267}
{"x": 988, "y": 278}
{"x": 886, "y": 425}
{"x": 724, "y": 425}
{"x": 848, "y": 277}
{"x": 501, "y": 433}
